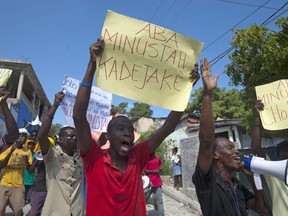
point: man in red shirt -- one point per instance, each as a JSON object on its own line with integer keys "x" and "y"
{"x": 152, "y": 170}
{"x": 114, "y": 175}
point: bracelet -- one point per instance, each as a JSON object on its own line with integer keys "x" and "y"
{"x": 49, "y": 116}
{"x": 84, "y": 84}
{"x": 208, "y": 93}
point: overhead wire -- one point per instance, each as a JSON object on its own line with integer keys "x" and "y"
{"x": 220, "y": 56}
{"x": 267, "y": 21}
{"x": 274, "y": 13}
{"x": 169, "y": 9}
{"x": 223, "y": 54}
{"x": 277, "y": 17}
{"x": 156, "y": 11}
{"x": 250, "y": 5}
{"x": 218, "y": 38}
{"x": 180, "y": 12}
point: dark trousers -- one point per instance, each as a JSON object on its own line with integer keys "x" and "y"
{"x": 37, "y": 202}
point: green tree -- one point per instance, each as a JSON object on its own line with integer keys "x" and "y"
{"x": 121, "y": 108}
{"x": 260, "y": 57}
{"x": 139, "y": 110}
{"x": 227, "y": 104}
{"x": 55, "y": 128}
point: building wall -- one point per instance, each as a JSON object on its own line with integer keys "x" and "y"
{"x": 265, "y": 142}
{"x": 143, "y": 124}
{"x": 24, "y": 113}
{"x": 27, "y": 98}
{"x": 189, "y": 148}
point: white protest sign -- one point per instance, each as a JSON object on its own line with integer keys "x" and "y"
{"x": 98, "y": 112}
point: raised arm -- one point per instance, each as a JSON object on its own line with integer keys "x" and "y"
{"x": 44, "y": 130}
{"x": 4, "y": 162}
{"x": 82, "y": 100}
{"x": 257, "y": 204}
{"x": 171, "y": 121}
{"x": 256, "y": 132}
{"x": 11, "y": 125}
{"x": 206, "y": 130}
{"x": 168, "y": 127}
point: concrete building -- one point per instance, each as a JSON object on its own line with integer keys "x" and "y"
{"x": 27, "y": 98}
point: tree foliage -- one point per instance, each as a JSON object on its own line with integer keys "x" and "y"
{"x": 136, "y": 112}
{"x": 260, "y": 57}
{"x": 227, "y": 104}
{"x": 140, "y": 110}
{"x": 55, "y": 128}
{"x": 121, "y": 108}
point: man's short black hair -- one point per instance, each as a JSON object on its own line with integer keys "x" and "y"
{"x": 64, "y": 129}
{"x": 280, "y": 146}
{"x": 113, "y": 120}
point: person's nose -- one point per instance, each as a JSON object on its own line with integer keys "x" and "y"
{"x": 127, "y": 132}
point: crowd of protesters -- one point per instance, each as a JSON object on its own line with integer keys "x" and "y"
{"x": 52, "y": 179}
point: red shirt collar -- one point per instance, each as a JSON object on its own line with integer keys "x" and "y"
{"x": 108, "y": 159}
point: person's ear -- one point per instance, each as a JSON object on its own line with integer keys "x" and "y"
{"x": 216, "y": 155}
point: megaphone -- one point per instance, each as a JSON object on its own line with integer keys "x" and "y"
{"x": 259, "y": 165}
{"x": 38, "y": 155}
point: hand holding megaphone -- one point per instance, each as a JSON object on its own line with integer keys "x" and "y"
{"x": 259, "y": 165}
{"x": 256, "y": 175}
{"x": 38, "y": 155}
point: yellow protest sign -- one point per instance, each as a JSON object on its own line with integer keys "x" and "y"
{"x": 146, "y": 62}
{"x": 274, "y": 96}
{"x": 4, "y": 76}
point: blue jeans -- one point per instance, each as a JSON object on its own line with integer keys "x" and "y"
{"x": 157, "y": 191}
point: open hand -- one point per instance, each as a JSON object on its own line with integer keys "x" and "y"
{"x": 209, "y": 82}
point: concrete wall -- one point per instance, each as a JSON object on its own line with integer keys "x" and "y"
{"x": 189, "y": 150}
{"x": 265, "y": 142}
{"x": 144, "y": 124}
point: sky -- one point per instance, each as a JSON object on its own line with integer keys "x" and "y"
{"x": 54, "y": 36}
